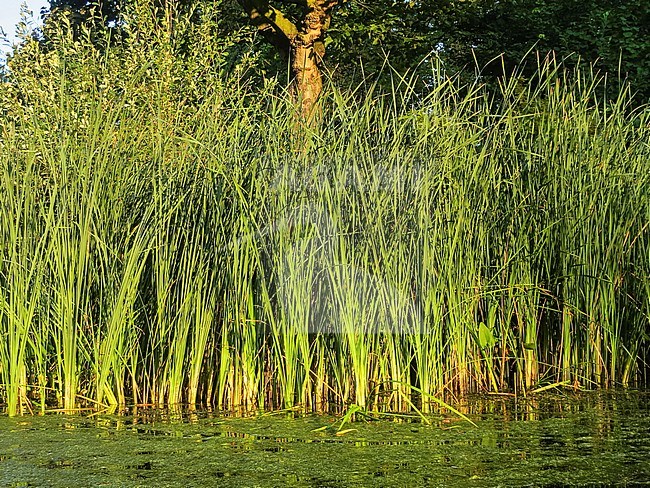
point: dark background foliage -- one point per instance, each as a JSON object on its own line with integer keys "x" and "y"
{"x": 490, "y": 36}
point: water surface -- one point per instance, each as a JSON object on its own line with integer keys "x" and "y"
{"x": 556, "y": 440}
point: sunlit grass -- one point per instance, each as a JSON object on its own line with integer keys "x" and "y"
{"x": 400, "y": 250}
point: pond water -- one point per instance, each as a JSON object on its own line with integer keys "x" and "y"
{"x": 557, "y": 440}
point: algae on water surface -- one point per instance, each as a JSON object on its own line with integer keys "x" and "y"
{"x": 596, "y": 440}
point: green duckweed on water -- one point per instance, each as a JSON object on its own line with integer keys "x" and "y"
{"x": 557, "y": 440}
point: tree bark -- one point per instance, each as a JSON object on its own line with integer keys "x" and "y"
{"x": 302, "y": 40}
{"x": 307, "y": 52}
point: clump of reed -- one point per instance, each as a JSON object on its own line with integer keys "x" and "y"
{"x": 163, "y": 248}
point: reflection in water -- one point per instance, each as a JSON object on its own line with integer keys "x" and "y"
{"x": 551, "y": 440}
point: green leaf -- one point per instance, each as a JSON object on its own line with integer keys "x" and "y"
{"x": 485, "y": 337}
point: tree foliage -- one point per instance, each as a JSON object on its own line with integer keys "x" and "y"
{"x": 473, "y": 33}
{"x": 364, "y": 36}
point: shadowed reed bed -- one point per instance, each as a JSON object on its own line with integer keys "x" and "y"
{"x": 157, "y": 249}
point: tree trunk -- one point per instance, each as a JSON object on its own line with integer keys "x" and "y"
{"x": 307, "y": 51}
{"x": 302, "y": 39}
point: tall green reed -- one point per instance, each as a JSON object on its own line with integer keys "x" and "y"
{"x": 162, "y": 247}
